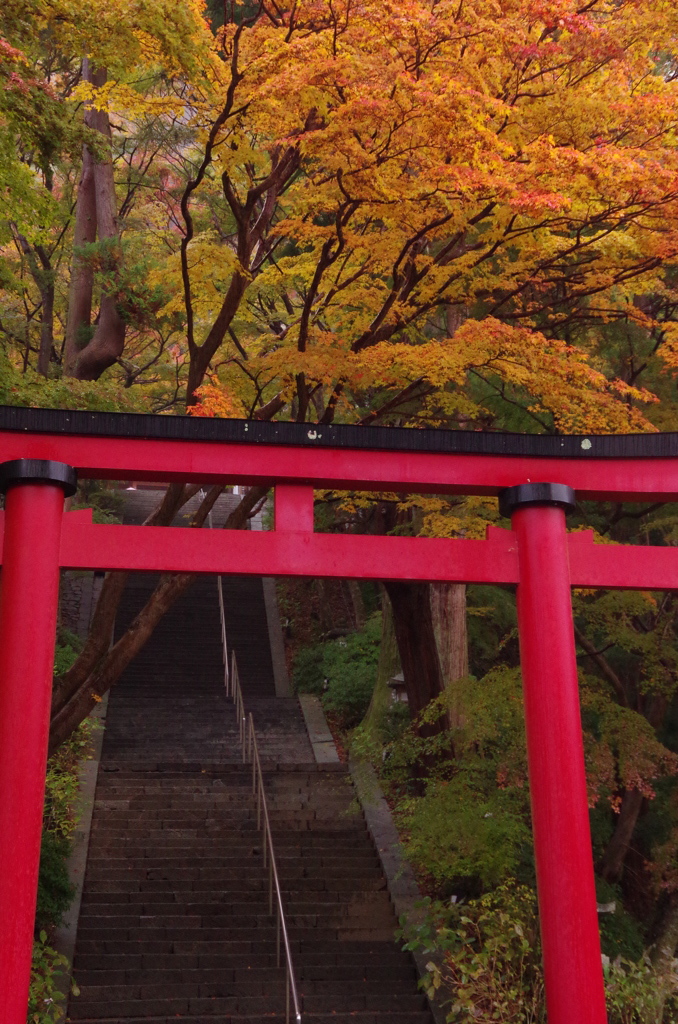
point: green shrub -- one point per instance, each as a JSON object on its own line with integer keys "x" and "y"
{"x": 67, "y": 649}
{"x": 463, "y": 837}
{"x": 308, "y": 672}
{"x": 637, "y": 994}
{"x": 106, "y": 502}
{"x": 620, "y": 934}
{"x": 343, "y": 671}
{"x": 64, "y": 656}
{"x": 55, "y": 891}
{"x": 395, "y": 721}
{"x": 61, "y": 783}
{"x": 45, "y": 999}
{"x": 485, "y": 965}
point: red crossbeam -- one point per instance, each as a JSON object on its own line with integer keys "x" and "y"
{"x": 287, "y": 552}
{"x": 414, "y": 472}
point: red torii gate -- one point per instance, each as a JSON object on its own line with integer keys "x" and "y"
{"x": 42, "y": 452}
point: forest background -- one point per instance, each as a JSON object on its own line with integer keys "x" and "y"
{"x": 443, "y": 214}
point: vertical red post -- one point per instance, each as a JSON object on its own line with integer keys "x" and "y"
{"x": 28, "y": 611}
{"x": 562, "y": 839}
{"x": 294, "y": 508}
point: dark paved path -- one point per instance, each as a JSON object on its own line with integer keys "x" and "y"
{"x": 174, "y": 922}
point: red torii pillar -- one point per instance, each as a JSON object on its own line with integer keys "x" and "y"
{"x": 34, "y": 504}
{"x": 568, "y": 912}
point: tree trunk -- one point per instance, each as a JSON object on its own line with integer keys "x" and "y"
{"x": 448, "y": 609}
{"x": 413, "y": 624}
{"x": 83, "y": 701}
{"x": 201, "y": 355}
{"x": 455, "y": 316}
{"x": 82, "y": 276}
{"x": 611, "y": 864}
{"x": 108, "y": 342}
{"x": 357, "y": 603}
{"x": 97, "y": 644}
{"x": 389, "y": 665}
{"x": 101, "y": 629}
{"x": 98, "y": 194}
{"x": 46, "y": 323}
{"x": 40, "y": 266}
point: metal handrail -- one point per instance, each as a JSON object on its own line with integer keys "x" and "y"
{"x": 250, "y": 753}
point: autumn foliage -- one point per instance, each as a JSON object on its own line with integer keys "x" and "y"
{"x": 358, "y": 210}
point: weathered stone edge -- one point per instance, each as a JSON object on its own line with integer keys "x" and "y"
{"x": 402, "y": 885}
{"x": 65, "y": 936}
{"x": 324, "y": 750}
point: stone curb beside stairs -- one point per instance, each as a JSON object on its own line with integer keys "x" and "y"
{"x": 402, "y": 885}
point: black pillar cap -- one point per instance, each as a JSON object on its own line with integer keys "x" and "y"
{"x": 38, "y": 471}
{"x": 523, "y": 495}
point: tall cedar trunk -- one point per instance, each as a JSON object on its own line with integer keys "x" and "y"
{"x": 413, "y": 624}
{"x": 98, "y": 188}
{"x": 85, "y": 693}
{"x": 448, "y": 609}
{"x": 82, "y": 275}
{"x": 108, "y": 341}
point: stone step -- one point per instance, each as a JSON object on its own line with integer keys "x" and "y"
{"x": 141, "y": 854}
{"x": 209, "y": 1005}
{"x": 220, "y": 913}
{"x": 177, "y": 935}
{"x": 291, "y": 875}
{"x": 121, "y": 985}
{"x": 350, "y": 919}
{"x": 221, "y": 970}
{"x": 308, "y": 963}
{"x": 333, "y": 1017}
{"x": 105, "y": 903}
{"x": 277, "y": 776}
{"x": 194, "y": 880}
{"x": 322, "y": 951}
{"x": 115, "y": 805}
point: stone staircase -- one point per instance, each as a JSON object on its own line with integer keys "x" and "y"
{"x": 175, "y": 921}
